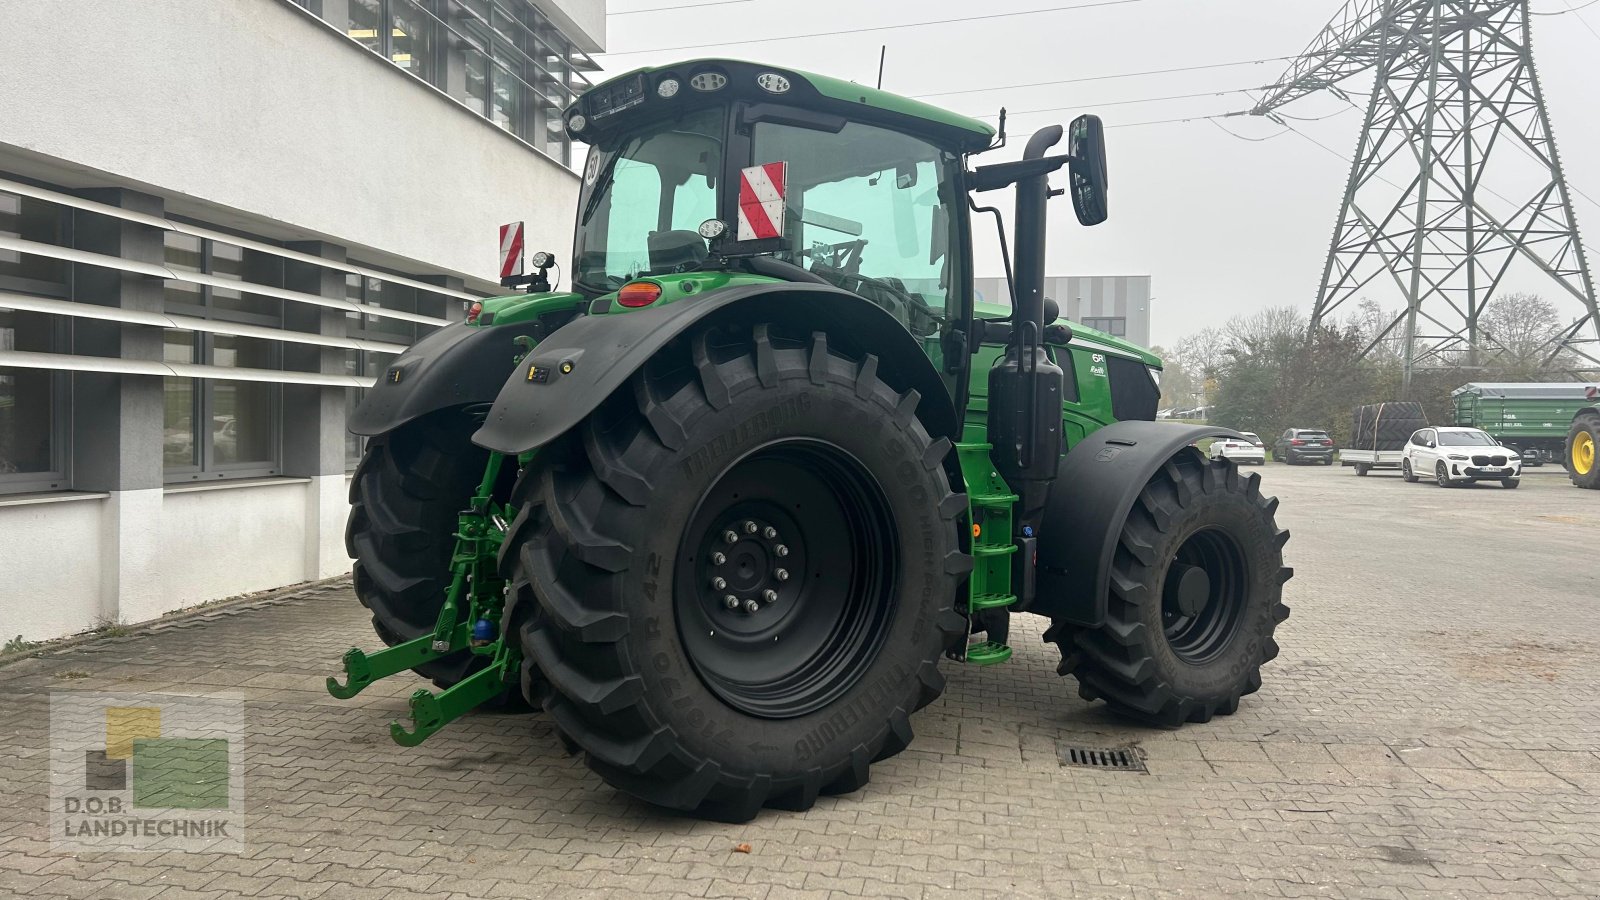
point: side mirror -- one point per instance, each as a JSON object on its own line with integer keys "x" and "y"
{"x": 1087, "y": 145}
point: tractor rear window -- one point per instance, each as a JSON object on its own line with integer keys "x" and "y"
{"x": 640, "y": 213}
{"x": 1134, "y": 394}
{"x": 870, "y": 210}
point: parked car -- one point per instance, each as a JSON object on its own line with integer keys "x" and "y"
{"x": 1249, "y": 450}
{"x": 1455, "y": 455}
{"x": 1304, "y": 445}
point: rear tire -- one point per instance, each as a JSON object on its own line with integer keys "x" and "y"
{"x": 404, "y": 498}
{"x": 1406, "y": 473}
{"x": 678, "y": 699}
{"x": 1362, "y": 468}
{"x": 1168, "y": 654}
{"x": 1582, "y": 453}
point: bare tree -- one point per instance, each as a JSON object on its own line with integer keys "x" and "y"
{"x": 1521, "y": 327}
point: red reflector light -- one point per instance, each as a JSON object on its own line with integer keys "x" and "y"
{"x": 474, "y": 311}
{"x": 1297, "y": 442}
{"x": 639, "y": 293}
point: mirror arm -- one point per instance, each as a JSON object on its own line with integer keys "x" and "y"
{"x": 999, "y": 175}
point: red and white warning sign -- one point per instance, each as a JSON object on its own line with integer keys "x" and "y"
{"x": 511, "y": 250}
{"x": 761, "y": 191}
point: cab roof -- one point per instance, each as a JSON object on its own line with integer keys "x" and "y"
{"x": 641, "y": 90}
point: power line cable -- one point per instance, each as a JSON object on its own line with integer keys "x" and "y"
{"x": 1230, "y": 133}
{"x": 867, "y": 30}
{"x": 1581, "y": 20}
{"x": 1561, "y": 12}
{"x": 1077, "y": 106}
{"x": 1088, "y": 78}
{"x": 633, "y": 12}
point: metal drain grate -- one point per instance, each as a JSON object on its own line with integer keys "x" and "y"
{"x": 1117, "y": 759}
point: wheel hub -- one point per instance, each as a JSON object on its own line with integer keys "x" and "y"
{"x": 753, "y": 564}
{"x": 1188, "y": 589}
{"x": 1204, "y": 595}
{"x": 786, "y": 578}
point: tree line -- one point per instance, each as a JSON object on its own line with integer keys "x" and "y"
{"x": 1268, "y": 371}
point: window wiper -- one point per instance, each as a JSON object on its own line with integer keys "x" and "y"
{"x": 602, "y": 187}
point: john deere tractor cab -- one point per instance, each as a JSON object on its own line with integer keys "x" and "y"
{"x": 722, "y": 506}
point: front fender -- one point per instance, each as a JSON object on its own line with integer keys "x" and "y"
{"x": 580, "y": 365}
{"x": 1095, "y": 487}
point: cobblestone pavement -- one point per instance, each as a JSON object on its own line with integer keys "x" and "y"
{"x": 1430, "y": 730}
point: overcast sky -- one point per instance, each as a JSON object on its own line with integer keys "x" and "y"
{"x": 1223, "y": 225}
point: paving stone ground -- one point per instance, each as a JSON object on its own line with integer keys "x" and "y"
{"x": 1431, "y": 729}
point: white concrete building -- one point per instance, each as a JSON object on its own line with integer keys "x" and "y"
{"x": 218, "y": 219}
{"x": 1115, "y": 304}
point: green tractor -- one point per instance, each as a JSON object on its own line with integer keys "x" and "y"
{"x": 721, "y": 508}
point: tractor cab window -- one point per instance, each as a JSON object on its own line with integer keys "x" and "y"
{"x": 873, "y": 212}
{"x": 643, "y": 201}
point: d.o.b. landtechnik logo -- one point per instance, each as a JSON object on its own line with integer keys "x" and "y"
{"x": 146, "y": 772}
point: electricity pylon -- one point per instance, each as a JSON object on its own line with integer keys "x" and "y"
{"x": 1456, "y": 181}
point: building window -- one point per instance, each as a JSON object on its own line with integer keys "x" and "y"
{"x": 374, "y": 292}
{"x": 34, "y": 220}
{"x": 516, "y": 69}
{"x": 216, "y": 428}
{"x": 1115, "y": 325}
{"x": 33, "y": 406}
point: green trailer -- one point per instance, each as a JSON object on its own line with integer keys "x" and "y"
{"x": 1531, "y": 417}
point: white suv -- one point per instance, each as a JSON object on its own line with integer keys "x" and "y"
{"x": 1452, "y": 456}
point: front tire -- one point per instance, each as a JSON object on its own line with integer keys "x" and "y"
{"x": 1196, "y": 594}
{"x": 1510, "y": 483}
{"x": 1441, "y": 476}
{"x": 621, "y": 566}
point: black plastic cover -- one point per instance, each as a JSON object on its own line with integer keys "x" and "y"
{"x": 580, "y": 365}
{"x": 1134, "y": 394}
{"x": 1096, "y": 485}
{"x": 454, "y": 366}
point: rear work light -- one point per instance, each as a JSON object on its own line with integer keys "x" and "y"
{"x": 637, "y": 294}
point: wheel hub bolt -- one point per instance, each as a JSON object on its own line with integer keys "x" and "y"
{"x": 781, "y": 574}
{"x": 730, "y": 536}
{"x": 718, "y": 558}
{"x": 749, "y": 527}
{"x": 782, "y": 550}
{"x": 719, "y": 584}
{"x": 769, "y": 532}
{"x": 751, "y": 606}
{"x": 769, "y": 595}
{"x": 730, "y": 602}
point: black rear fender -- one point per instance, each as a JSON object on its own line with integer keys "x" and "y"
{"x": 579, "y": 366}
{"x": 1095, "y": 487}
{"x": 457, "y": 365}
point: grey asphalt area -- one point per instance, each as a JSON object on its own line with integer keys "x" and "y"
{"x": 1430, "y": 729}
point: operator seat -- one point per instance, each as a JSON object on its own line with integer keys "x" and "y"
{"x": 675, "y": 251}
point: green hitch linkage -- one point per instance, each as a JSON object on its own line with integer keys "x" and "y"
{"x": 479, "y": 533}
